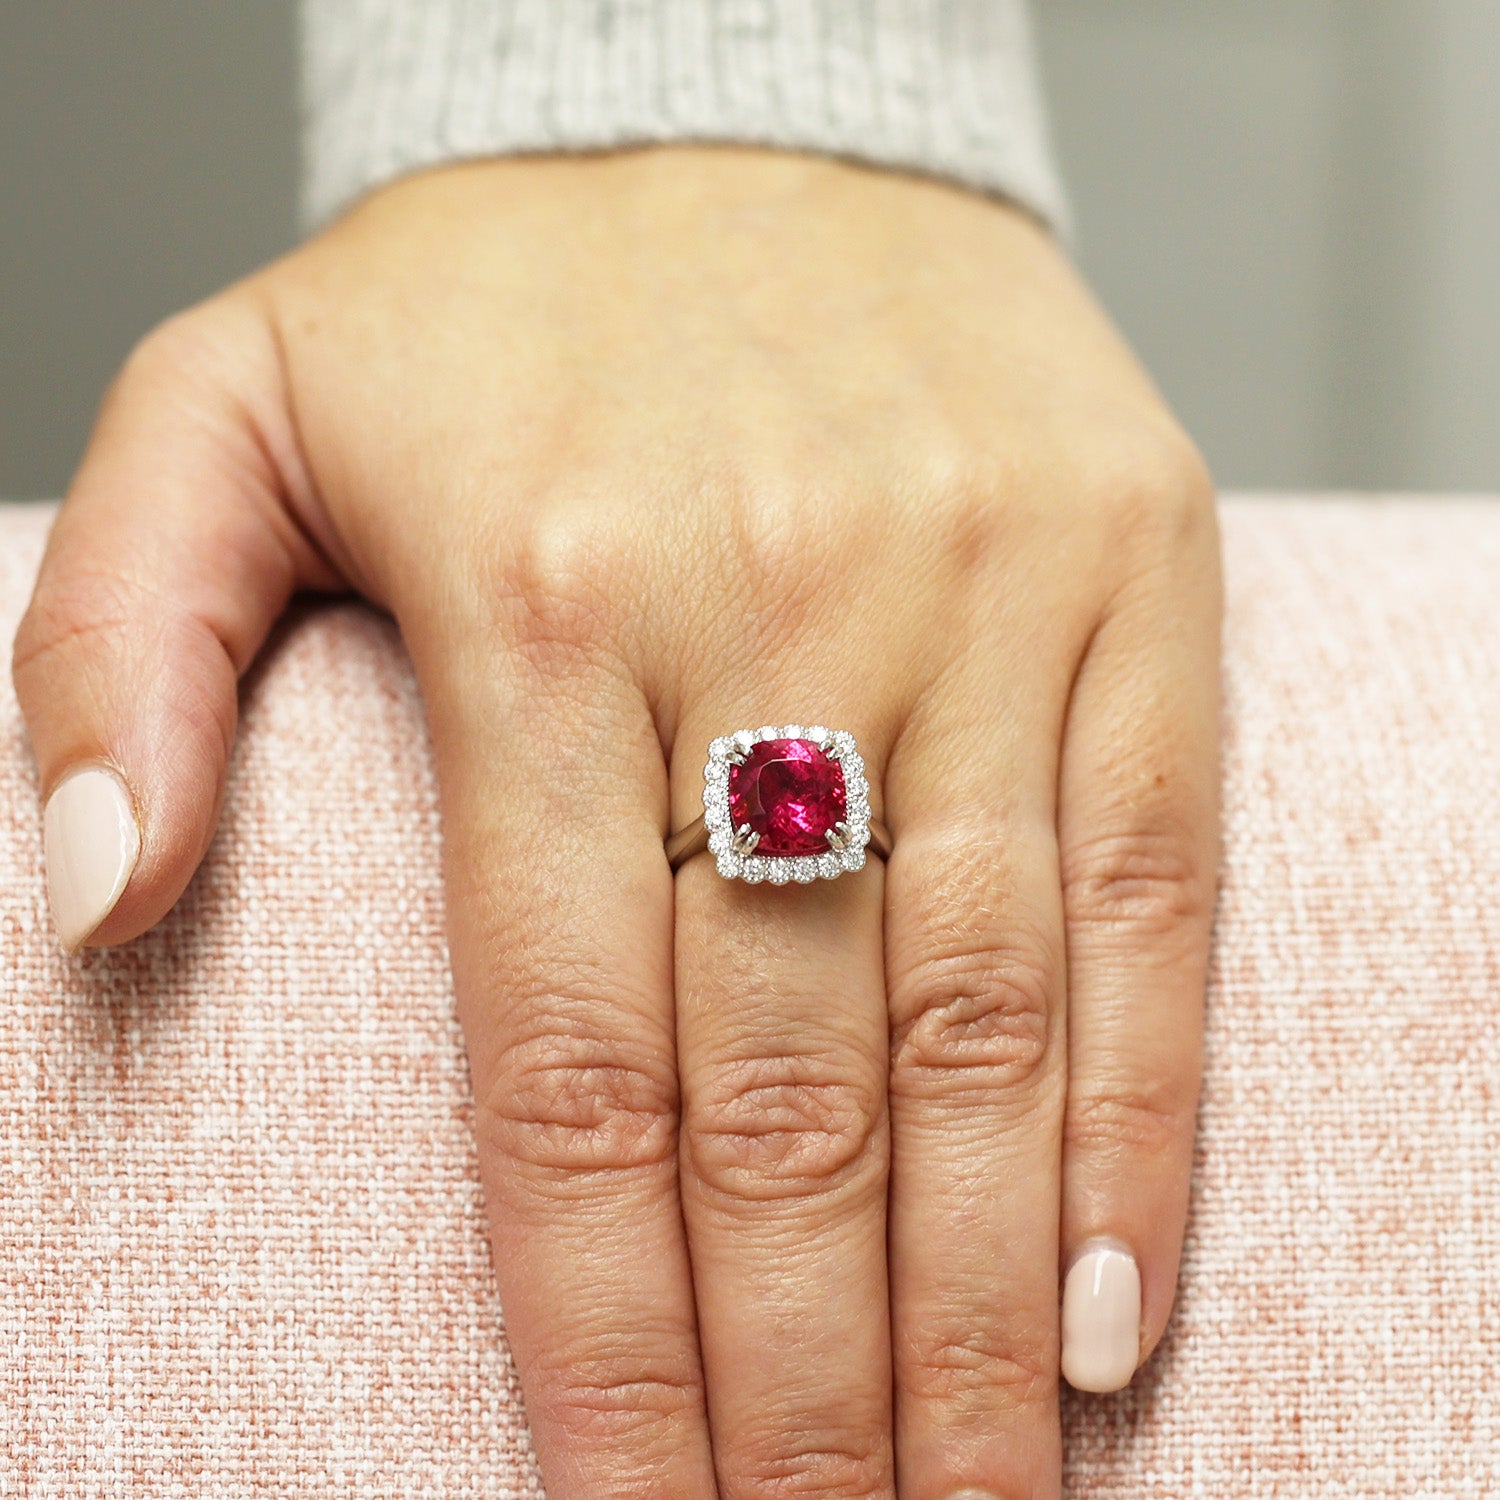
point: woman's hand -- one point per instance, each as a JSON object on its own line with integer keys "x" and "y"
{"x": 639, "y": 450}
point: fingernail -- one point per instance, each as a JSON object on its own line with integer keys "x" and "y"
{"x": 1101, "y": 1320}
{"x": 92, "y": 843}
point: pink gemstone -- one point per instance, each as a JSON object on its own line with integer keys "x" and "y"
{"x": 790, "y": 793}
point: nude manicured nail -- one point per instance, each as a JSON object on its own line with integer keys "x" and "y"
{"x": 92, "y": 843}
{"x": 1101, "y": 1319}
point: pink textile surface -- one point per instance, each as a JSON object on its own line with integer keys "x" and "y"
{"x": 242, "y": 1249}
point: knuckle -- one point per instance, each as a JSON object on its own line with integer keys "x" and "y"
{"x": 971, "y": 1016}
{"x": 975, "y": 528}
{"x": 569, "y": 1102}
{"x": 783, "y": 557}
{"x": 191, "y": 350}
{"x": 555, "y": 594}
{"x": 1161, "y": 492}
{"x": 971, "y": 1365}
{"x": 783, "y": 1126}
{"x": 604, "y": 1393}
{"x": 167, "y": 346}
{"x": 976, "y": 1006}
{"x": 848, "y": 1465}
{"x": 1147, "y": 881}
{"x": 1150, "y": 1117}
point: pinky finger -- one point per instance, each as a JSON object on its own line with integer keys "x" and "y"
{"x": 167, "y": 564}
{"x": 1138, "y": 834}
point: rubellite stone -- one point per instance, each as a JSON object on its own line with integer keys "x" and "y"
{"x": 790, "y": 793}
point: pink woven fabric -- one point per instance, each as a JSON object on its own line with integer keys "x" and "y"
{"x": 241, "y": 1243}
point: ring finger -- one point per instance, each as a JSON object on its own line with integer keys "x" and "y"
{"x": 782, "y": 1056}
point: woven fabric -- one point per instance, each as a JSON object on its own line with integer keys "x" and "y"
{"x": 241, "y": 1241}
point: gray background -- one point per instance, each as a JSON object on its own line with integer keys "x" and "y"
{"x": 1292, "y": 206}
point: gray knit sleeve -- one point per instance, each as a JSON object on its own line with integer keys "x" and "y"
{"x": 945, "y": 87}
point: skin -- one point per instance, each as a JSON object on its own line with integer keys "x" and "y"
{"x": 638, "y": 449}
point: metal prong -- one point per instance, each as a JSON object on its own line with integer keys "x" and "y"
{"x": 828, "y": 747}
{"x": 838, "y": 837}
{"x": 736, "y": 757}
{"x": 744, "y": 840}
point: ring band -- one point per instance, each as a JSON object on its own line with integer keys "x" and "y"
{"x": 783, "y": 803}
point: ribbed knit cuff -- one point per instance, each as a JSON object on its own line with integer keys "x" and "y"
{"x": 943, "y": 87}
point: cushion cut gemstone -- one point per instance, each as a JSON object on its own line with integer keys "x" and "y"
{"x": 790, "y": 793}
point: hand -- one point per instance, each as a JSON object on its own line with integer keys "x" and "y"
{"x": 640, "y": 449}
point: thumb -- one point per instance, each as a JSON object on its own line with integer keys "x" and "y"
{"x": 169, "y": 561}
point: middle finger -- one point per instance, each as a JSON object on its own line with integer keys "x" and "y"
{"x": 782, "y": 1056}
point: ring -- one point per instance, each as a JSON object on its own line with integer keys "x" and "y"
{"x": 783, "y": 803}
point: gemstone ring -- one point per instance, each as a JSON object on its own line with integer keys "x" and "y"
{"x": 780, "y": 804}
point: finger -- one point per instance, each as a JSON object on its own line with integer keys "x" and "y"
{"x": 781, "y": 1032}
{"x": 170, "y": 559}
{"x": 553, "y": 795}
{"x": 1139, "y": 841}
{"x": 975, "y": 966}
